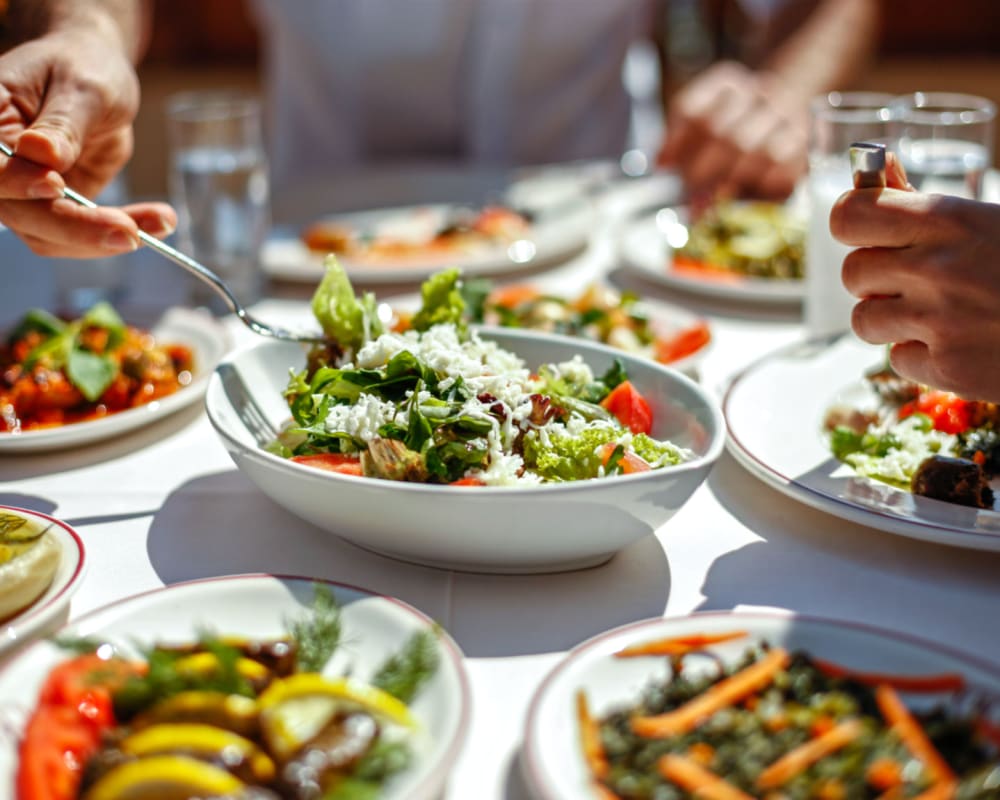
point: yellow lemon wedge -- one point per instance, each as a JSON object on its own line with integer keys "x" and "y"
{"x": 233, "y": 712}
{"x": 164, "y": 778}
{"x": 204, "y": 742}
{"x": 296, "y": 709}
{"x": 202, "y": 664}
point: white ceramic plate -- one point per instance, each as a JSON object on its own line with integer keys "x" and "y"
{"x": 560, "y": 526}
{"x": 775, "y": 411}
{"x": 645, "y": 246}
{"x": 551, "y": 759}
{"x": 48, "y": 611}
{"x": 196, "y": 329}
{"x": 557, "y": 235}
{"x": 259, "y": 606}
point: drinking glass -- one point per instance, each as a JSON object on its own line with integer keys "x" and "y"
{"x": 218, "y": 180}
{"x": 945, "y": 141}
{"x": 837, "y": 120}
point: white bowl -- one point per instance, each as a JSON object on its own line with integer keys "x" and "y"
{"x": 260, "y": 606}
{"x": 551, "y": 758}
{"x": 543, "y": 528}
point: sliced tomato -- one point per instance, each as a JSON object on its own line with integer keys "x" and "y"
{"x": 513, "y": 296}
{"x": 53, "y": 752}
{"x": 85, "y": 684}
{"x": 948, "y": 412}
{"x": 469, "y": 481}
{"x": 332, "y": 462}
{"x": 682, "y": 344}
{"x": 629, "y": 463}
{"x": 629, "y": 407}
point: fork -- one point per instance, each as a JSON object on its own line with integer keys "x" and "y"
{"x": 202, "y": 273}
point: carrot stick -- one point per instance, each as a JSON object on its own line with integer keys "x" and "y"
{"x": 678, "y": 645}
{"x": 913, "y": 736}
{"x": 945, "y": 682}
{"x": 590, "y": 738}
{"x": 805, "y": 755}
{"x": 722, "y": 694}
{"x": 701, "y": 782}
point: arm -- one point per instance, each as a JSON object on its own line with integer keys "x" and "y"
{"x": 735, "y": 131}
{"x": 68, "y": 95}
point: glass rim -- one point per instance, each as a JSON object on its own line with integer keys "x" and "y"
{"x": 211, "y": 104}
{"x": 852, "y": 106}
{"x": 944, "y": 108}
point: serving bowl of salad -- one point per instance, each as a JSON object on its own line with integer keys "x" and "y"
{"x": 478, "y": 449}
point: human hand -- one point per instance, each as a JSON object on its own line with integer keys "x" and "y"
{"x": 735, "y": 132}
{"x": 67, "y": 101}
{"x": 928, "y": 279}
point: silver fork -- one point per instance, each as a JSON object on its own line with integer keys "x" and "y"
{"x": 202, "y": 273}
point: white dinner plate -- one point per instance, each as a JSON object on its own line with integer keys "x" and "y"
{"x": 552, "y": 760}
{"x": 775, "y": 411}
{"x": 49, "y": 610}
{"x": 559, "y": 233}
{"x": 194, "y": 328}
{"x": 645, "y": 246}
{"x": 260, "y": 606}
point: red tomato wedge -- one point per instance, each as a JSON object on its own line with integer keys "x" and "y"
{"x": 467, "y": 482}
{"x": 629, "y": 463}
{"x": 629, "y": 407}
{"x": 332, "y": 462}
{"x": 949, "y": 413}
{"x": 682, "y": 344}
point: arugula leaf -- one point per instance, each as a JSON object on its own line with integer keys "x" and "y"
{"x": 317, "y": 635}
{"x": 403, "y": 674}
{"x": 615, "y": 375}
{"x": 474, "y": 293}
{"x": 91, "y": 373}
{"x": 103, "y": 315}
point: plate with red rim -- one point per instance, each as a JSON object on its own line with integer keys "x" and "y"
{"x": 197, "y": 329}
{"x": 260, "y": 606}
{"x": 50, "y": 609}
{"x": 552, "y": 759}
{"x": 647, "y": 244}
{"x": 553, "y": 237}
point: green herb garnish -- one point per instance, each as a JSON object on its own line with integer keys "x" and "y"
{"x": 404, "y": 673}
{"x": 317, "y": 635}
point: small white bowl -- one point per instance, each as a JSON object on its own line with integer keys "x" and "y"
{"x": 544, "y": 528}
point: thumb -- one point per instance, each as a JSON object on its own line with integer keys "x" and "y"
{"x": 895, "y": 175}
{"x": 55, "y": 137}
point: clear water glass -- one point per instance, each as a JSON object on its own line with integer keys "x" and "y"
{"x": 837, "y": 120}
{"x": 945, "y": 141}
{"x": 218, "y": 176}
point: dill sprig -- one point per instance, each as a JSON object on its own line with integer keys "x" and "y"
{"x": 403, "y": 674}
{"x": 317, "y": 635}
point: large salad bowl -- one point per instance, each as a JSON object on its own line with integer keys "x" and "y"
{"x": 549, "y": 527}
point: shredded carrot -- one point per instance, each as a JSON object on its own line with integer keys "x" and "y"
{"x": 899, "y": 718}
{"x": 722, "y": 694}
{"x": 805, "y": 755}
{"x": 678, "y": 645}
{"x": 693, "y": 777}
{"x": 945, "y": 682}
{"x": 701, "y": 753}
{"x": 590, "y": 738}
{"x": 821, "y": 725}
{"x": 884, "y": 774}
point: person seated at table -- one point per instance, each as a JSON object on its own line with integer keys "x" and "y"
{"x": 470, "y": 81}
{"x": 927, "y": 275}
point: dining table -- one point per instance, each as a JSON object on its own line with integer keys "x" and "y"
{"x": 165, "y": 504}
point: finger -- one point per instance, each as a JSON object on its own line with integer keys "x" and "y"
{"x": 895, "y": 175}
{"x": 156, "y": 219}
{"x": 709, "y": 167}
{"x": 63, "y": 228}
{"x": 883, "y": 218}
{"x": 879, "y": 271}
{"x": 881, "y": 320}
{"x": 25, "y": 180}
{"x": 912, "y": 359}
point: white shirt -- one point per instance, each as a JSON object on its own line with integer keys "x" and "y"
{"x": 353, "y": 83}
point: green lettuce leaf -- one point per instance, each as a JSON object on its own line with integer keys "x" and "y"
{"x": 345, "y": 319}
{"x": 442, "y": 302}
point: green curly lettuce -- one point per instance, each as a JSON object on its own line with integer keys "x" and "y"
{"x": 442, "y": 302}
{"x": 344, "y": 318}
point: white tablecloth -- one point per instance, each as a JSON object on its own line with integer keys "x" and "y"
{"x": 166, "y": 505}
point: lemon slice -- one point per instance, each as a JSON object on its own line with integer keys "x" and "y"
{"x": 204, "y": 664}
{"x": 164, "y": 778}
{"x": 295, "y": 710}
{"x": 201, "y": 741}
{"x": 233, "y": 712}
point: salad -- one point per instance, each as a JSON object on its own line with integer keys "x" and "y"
{"x": 437, "y": 403}
{"x": 55, "y": 372}
{"x": 756, "y": 239}
{"x": 931, "y": 442}
{"x": 600, "y": 313}
{"x": 780, "y": 724}
{"x": 225, "y": 717}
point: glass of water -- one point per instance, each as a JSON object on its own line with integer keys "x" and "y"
{"x": 218, "y": 179}
{"x": 945, "y": 141}
{"x": 837, "y": 120}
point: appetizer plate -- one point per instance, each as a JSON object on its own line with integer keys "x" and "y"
{"x": 557, "y": 235}
{"x": 552, "y": 759}
{"x": 196, "y": 329}
{"x": 646, "y": 247}
{"x": 259, "y": 606}
{"x": 49, "y": 610}
{"x": 775, "y": 411}
{"x": 558, "y": 527}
